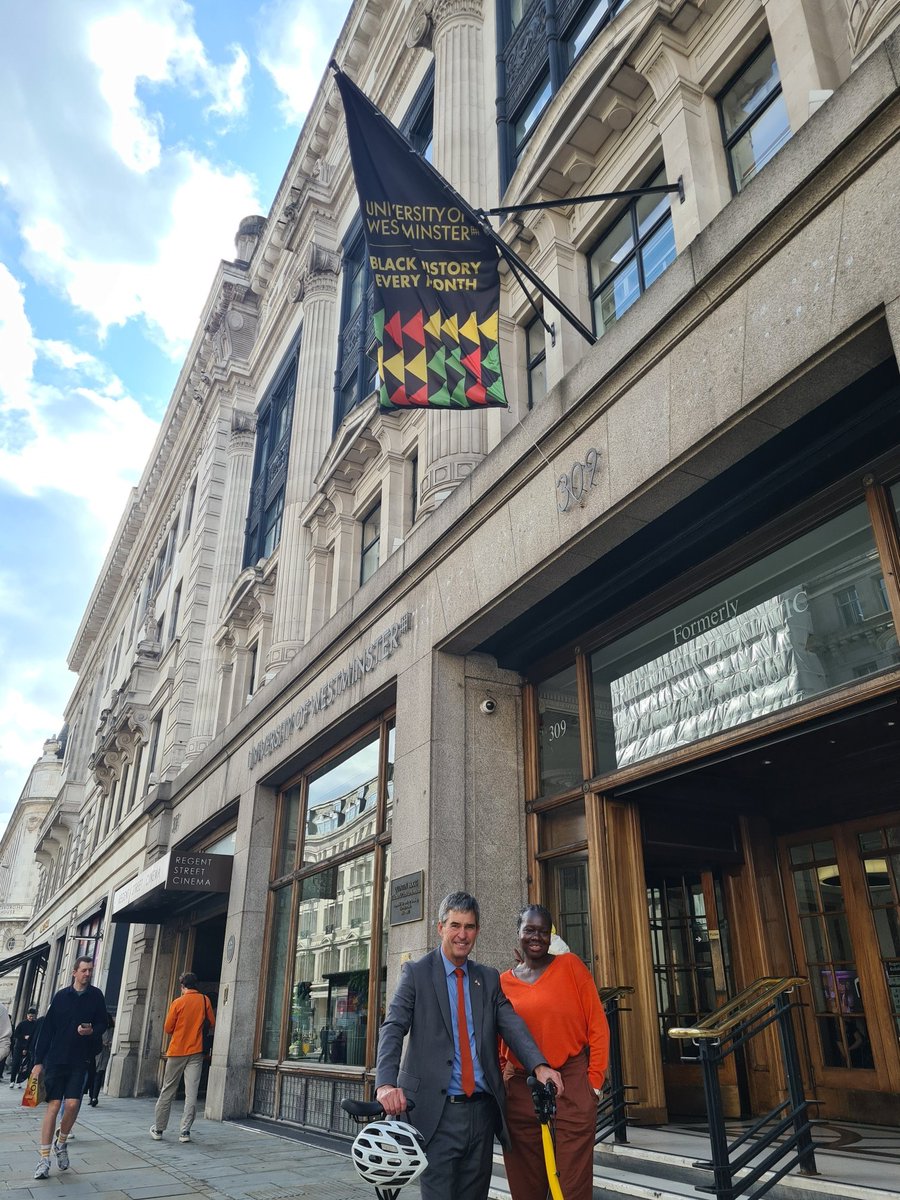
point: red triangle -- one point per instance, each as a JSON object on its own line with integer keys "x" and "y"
{"x": 476, "y": 394}
{"x": 472, "y": 363}
{"x": 393, "y": 328}
{"x": 419, "y": 397}
{"x": 400, "y": 400}
{"x": 414, "y": 328}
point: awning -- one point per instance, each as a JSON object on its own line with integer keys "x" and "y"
{"x": 173, "y": 883}
{"x": 42, "y": 949}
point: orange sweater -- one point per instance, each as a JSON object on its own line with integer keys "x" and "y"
{"x": 563, "y": 1013}
{"x": 184, "y": 1021}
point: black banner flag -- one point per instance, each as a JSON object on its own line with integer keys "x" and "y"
{"x": 437, "y": 288}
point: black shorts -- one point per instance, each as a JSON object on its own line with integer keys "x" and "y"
{"x": 65, "y": 1083}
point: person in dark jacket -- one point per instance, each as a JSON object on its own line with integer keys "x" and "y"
{"x": 69, "y": 1038}
{"x": 23, "y": 1045}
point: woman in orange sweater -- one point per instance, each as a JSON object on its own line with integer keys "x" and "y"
{"x": 556, "y": 997}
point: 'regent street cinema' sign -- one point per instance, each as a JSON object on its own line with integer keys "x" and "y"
{"x": 177, "y": 871}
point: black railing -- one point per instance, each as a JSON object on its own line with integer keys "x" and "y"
{"x": 612, "y": 1111}
{"x": 780, "y": 1140}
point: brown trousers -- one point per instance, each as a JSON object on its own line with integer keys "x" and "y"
{"x": 576, "y": 1119}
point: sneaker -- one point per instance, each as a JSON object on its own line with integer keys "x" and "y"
{"x": 42, "y": 1170}
{"x": 13, "y": 1084}
{"x": 62, "y": 1156}
{"x": 155, "y": 1133}
{"x": 184, "y": 1136}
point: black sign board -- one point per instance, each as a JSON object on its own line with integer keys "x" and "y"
{"x": 406, "y": 898}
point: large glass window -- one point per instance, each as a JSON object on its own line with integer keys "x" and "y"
{"x": 754, "y": 117}
{"x": 880, "y": 851}
{"x": 326, "y": 928}
{"x": 766, "y": 638}
{"x": 273, "y": 437}
{"x": 630, "y": 255}
{"x": 371, "y": 544}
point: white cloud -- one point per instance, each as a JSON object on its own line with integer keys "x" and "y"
{"x": 66, "y": 422}
{"x": 124, "y": 220}
{"x": 295, "y": 42}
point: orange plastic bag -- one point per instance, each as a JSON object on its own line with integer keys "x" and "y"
{"x": 34, "y": 1092}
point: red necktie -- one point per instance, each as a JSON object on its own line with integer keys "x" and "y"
{"x": 465, "y": 1050}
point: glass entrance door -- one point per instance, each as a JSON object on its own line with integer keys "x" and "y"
{"x": 843, "y": 890}
{"x": 692, "y": 976}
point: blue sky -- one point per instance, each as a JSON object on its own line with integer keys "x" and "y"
{"x": 136, "y": 135}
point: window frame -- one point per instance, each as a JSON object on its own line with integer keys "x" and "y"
{"x": 270, "y": 459}
{"x": 730, "y": 141}
{"x": 538, "y": 359}
{"x": 639, "y": 243}
{"x": 373, "y": 543}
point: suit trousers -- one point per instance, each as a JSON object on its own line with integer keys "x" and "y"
{"x": 576, "y": 1121}
{"x": 191, "y": 1067}
{"x": 461, "y": 1152}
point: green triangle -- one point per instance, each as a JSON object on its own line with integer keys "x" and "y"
{"x": 441, "y": 398}
{"x": 436, "y": 363}
{"x": 454, "y": 360}
{"x": 458, "y": 394}
{"x": 378, "y": 325}
{"x": 496, "y": 390}
{"x": 491, "y": 361}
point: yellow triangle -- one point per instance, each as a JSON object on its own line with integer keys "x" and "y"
{"x": 419, "y": 368}
{"x": 396, "y": 366}
{"x": 433, "y": 324}
{"x": 450, "y": 326}
{"x": 490, "y": 327}
{"x": 381, "y": 373}
{"x": 470, "y": 330}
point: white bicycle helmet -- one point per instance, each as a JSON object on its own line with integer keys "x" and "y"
{"x": 389, "y": 1153}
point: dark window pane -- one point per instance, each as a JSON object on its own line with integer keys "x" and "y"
{"x": 559, "y": 740}
{"x": 278, "y": 934}
{"x": 287, "y": 850}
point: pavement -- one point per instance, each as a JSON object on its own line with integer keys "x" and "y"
{"x": 113, "y": 1158}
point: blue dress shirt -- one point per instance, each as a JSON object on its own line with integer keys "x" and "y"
{"x": 455, "y": 1088}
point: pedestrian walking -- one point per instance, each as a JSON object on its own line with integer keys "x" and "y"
{"x": 69, "y": 1038}
{"x": 184, "y": 1021}
{"x": 23, "y": 1045}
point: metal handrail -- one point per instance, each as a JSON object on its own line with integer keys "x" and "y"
{"x": 747, "y": 1004}
{"x": 612, "y": 1111}
{"x": 615, "y": 993}
{"x": 780, "y": 1140}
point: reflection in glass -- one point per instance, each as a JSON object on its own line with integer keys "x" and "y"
{"x": 766, "y": 638}
{"x": 559, "y": 738}
{"x": 389, "y": 801}
{"x": 330, "y": 986}
{"x": 830, "y": 967}
{"x": 290, "y": 820}
{"x": 569, "y": 889}
{"x": 754, "y": 117}
{"x": 279, "y": 932}
{"x": 341, "y": 808}
{"x": 883, "y": 887}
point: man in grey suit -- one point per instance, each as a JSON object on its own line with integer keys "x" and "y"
{"x": 454, "y": 1081}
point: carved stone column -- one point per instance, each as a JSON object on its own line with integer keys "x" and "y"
{"x": 310, "y": 438}
{"x": 455, "y": 442}
{"x": 802, "y": 33}
{"x": 229, "y": 552}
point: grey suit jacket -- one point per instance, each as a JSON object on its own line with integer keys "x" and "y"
{"x": 420, "y": 1012}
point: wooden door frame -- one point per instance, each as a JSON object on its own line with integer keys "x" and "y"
{"x": 885, "y": 1077}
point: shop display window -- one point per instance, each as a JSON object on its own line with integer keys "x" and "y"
{"x": 766, "y": 638}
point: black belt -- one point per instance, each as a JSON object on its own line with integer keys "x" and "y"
{"x": 476, "y": 1096}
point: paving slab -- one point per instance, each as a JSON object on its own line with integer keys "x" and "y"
{"x": 114, "y": 1158}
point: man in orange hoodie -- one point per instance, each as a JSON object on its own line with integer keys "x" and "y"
{"x": 184, "y": 1022}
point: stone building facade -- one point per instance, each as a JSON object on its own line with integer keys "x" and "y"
{"x": 629, "y": 648}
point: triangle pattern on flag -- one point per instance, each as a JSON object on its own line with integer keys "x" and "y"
{"x": 396, "y": 366}
{"x": 470, "y": 329}
{"x": 418, "y": 367}
{"x": 414, "y": 329}
{"x": 472, "y": 362}
{"x": 433, "y": 324}
{"x": 393, "y": 328}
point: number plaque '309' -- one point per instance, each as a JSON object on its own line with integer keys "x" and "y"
{"x": 572, "y": 487}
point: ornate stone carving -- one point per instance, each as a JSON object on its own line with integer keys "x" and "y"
{"x": 870, "y": 22}
{"x": 442, "y": 12}
{"x": 421, "y": 31}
